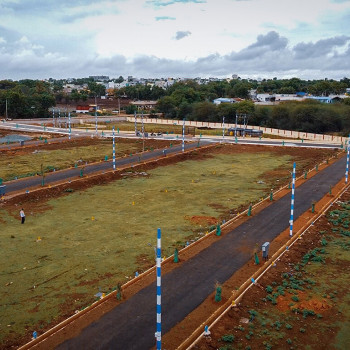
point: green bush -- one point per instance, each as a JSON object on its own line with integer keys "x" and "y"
{"x": 228, "y": 338}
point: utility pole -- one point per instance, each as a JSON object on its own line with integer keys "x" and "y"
{"x": 6, "y": 116}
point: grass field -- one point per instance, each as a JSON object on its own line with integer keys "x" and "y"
{"x": 98, "y": 237}
{"x": 13, "y": 165}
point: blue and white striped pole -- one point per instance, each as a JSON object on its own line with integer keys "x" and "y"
{"x": 70, "y": 130}
{"x": 183, "y": 136}
{"x": 143, "y": 133}
{"x": 159, "y": 290}
{"x": 347, "y": 162}
{"x": 59, "y": 118}
{"x": 223, "y": 127}
{"x": 53, "y": 117}
{"x": 292, "y": 203}
{"x": 113, "y": 149}
{"x": 135, "y": 123}
{"x": 96, "y": 131}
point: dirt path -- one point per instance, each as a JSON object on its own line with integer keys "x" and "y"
{"x": 132, "y": 324}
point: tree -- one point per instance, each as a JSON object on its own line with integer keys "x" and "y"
{"x": 166, "y": 105}
{"x": 245, "y": 107}
{"x": 119, "y": 80}
{"x": 204, "y": 111}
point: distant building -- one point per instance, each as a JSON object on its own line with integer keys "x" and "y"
{"x": 144, "y": 104}
{"x": 99, "y": 77}
{"x": 220, "y": 100}
{"x": 322, "y": 99}
{"x": 82, "y": 109}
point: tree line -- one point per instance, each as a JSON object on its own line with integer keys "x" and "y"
{"x": 25, "y": 98}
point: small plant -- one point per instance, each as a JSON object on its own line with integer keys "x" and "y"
{"x": 302, "y": 330}
{"x": 319, "y": 316}
{"x": 228, "y": 338}
{"x": 295, "y": 298}
{"x": 289, "y": 341}
{"x": 278, "y": 325}
{"x": 253, "y": 313}
{"x": 248, "y": 347}
{"x": 267, "y": 345}
{"x": 269, "y": 289}
{"x": 307, "y": 313}
{"x": 289, "y": 326}
{"x": 218, "y": 293}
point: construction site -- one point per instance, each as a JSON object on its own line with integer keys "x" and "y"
{"x": 81, "y": 271}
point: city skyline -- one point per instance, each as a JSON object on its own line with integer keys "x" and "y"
{"x": 188, "y": 38}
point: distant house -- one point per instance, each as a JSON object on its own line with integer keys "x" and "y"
{"x": 220, "y": 100}
{"x": 265, "y": 98}
{"x": 322, "y": 99}
{"x": 82, "y": 109}
{"x": 144, "y": 104}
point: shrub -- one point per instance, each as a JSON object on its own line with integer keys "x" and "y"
{"x": 269, "y": 289}
{"x": 228, "y": 338}
{"x": 302, "y": 330}
{"x": 307, "y": 313}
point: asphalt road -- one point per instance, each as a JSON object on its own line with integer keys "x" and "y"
{"x": 70, "y": 174}
{"x": 132, "y": 324}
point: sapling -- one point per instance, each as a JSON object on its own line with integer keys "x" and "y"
{"x": 218, "y": 293}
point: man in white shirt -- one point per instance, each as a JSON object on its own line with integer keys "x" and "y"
{"x": 23, "y": 216}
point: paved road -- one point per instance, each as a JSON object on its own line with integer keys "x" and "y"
{"x": 132, "y": 324}
{"x": 70, "y": 174}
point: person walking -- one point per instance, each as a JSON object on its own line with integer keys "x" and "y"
{"x": 23, "y": 216}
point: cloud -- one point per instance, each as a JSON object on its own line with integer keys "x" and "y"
{"x": 40, "y": 6}
{"x": 159, "y": 3}
{"x": 270, "y": 55}
{"x": 165, "y": 18}
{"x": 182, "y": 34}
{"x": 320, "y": 48}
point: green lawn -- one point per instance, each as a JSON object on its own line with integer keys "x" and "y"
{"x": 101, "y": 236}
{"x": 13, "y": 165}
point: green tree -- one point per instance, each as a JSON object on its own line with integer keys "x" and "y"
{"x": 205, "y": 111}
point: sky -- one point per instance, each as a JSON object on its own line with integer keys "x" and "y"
{"x": 41, "y": 39}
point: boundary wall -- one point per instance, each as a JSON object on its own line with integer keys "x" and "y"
{"x": 266, "y": 130}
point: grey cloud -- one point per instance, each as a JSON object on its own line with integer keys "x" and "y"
{"x": 320, "y": 48}
{"x": 270, "y": 42}
{"x": 263, "y": 58}
{"x": 182, "y": 34}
